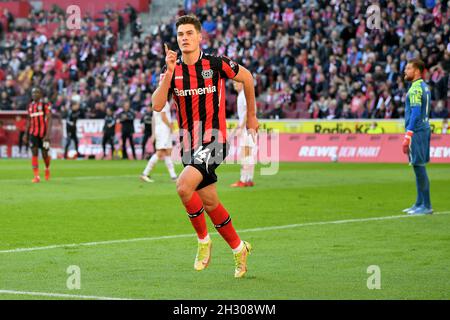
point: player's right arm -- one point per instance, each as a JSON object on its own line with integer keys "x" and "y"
{"x": 27, "y": 136}
{"x": 159, "y": 97}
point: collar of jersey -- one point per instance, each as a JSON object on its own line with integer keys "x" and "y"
{"x": 418, "y": 81}
{"x": 199, "y": 58}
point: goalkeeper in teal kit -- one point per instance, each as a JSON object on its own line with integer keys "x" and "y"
{"x": 417, "y": 138}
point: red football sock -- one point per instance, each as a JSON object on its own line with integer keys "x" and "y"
{"x": 47, "y": 162}
{"x": 194, "y": 208}
{"x": 35, "y": 165}
{"x": 222, "y": 222}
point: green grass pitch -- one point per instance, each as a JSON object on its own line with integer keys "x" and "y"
{"x": 310, "y": 257}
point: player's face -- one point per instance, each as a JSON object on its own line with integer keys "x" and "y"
{"x": 36, "y": 94}
{"x": 409, "y": 72}
{"x": 188, "y": 38}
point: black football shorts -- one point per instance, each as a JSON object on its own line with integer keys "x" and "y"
{"x": 206, "y": 158}
{"x": 37, "y": 142}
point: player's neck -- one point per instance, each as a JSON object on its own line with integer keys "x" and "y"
{"x": 415, "y": 79}
{"x": 191, "y": 57}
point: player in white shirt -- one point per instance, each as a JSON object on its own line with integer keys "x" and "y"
{"x": 162, "y": 128}
{"x": 246, "y": 142}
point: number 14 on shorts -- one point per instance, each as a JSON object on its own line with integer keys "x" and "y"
{"x": 201, "y": 154}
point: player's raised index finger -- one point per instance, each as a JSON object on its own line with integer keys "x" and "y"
{"x": 166, "y": 48}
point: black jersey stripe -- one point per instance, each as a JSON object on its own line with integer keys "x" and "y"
{"x": 216, "y": 102}
{"x": 188, "y": 100}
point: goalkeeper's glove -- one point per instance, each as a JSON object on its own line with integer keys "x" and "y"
{"x": 407, "y": 141}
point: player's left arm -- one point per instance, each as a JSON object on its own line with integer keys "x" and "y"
{"x": 246, "y": 78}
{"x": 49, "y": 124}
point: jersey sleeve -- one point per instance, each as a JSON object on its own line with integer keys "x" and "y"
{"x": 415, "y": 97}
{"x": 228, "y": 68}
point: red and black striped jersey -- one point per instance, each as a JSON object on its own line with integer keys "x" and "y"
{"x": 199, "y": 93}
{"x": 38, "y": 118}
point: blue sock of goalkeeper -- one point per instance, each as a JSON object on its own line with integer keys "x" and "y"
{"x": 423, "y": 186}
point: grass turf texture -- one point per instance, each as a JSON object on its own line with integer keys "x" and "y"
{"x": 88, "y": 201}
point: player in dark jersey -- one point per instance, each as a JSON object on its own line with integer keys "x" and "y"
{"x": 109, "y": 132}
{"x": 197, "y": 83}
{"x": 146, "y": 121}
{"x": 39, "y": 127}
{"x": 72, "y": 116}
{"x": 418, "y": 134}
{"x": 126, "y": 118}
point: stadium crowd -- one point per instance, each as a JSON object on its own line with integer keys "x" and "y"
{"x": 310, "y": 59}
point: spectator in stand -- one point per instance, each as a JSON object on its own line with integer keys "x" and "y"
{"x": 314, "y": 51}
{"x": 440, "y": 111}
{"x": 5, "y": 101}
{"x": 209, "y": 25}
{"x": 10, "y": 20}
{"x": 276, "y": 113}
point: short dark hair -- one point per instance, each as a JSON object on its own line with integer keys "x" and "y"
{"x": 189, "y": 19}
{"x": 418, "y": 64}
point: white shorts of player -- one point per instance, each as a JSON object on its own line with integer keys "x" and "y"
{"x": 163, "y": 138}
{"x": 246, "y": 139}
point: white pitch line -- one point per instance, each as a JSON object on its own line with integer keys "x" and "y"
{"x": 79, "y": 178}
{"x": 289, "y": 226}
{"x": 57, "y": 295}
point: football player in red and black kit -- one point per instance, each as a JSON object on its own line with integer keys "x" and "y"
{"x": 197, "y": 83}
{"x": 39, "y": 126}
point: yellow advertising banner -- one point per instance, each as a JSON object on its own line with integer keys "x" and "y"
{"x": 337, "y": 126}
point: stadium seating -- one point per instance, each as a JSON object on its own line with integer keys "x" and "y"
{"x": 276, "y": 41}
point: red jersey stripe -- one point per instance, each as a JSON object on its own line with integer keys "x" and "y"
{"x": 227, "y": 69}
{"x": 222, "y": 112}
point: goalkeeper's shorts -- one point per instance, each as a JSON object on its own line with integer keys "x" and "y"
{"x": 419, "y": 152}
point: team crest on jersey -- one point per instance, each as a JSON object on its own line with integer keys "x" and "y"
{"x": 207, "y": 74}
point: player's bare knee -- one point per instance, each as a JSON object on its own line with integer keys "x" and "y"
{"x": 184, "y": 191}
